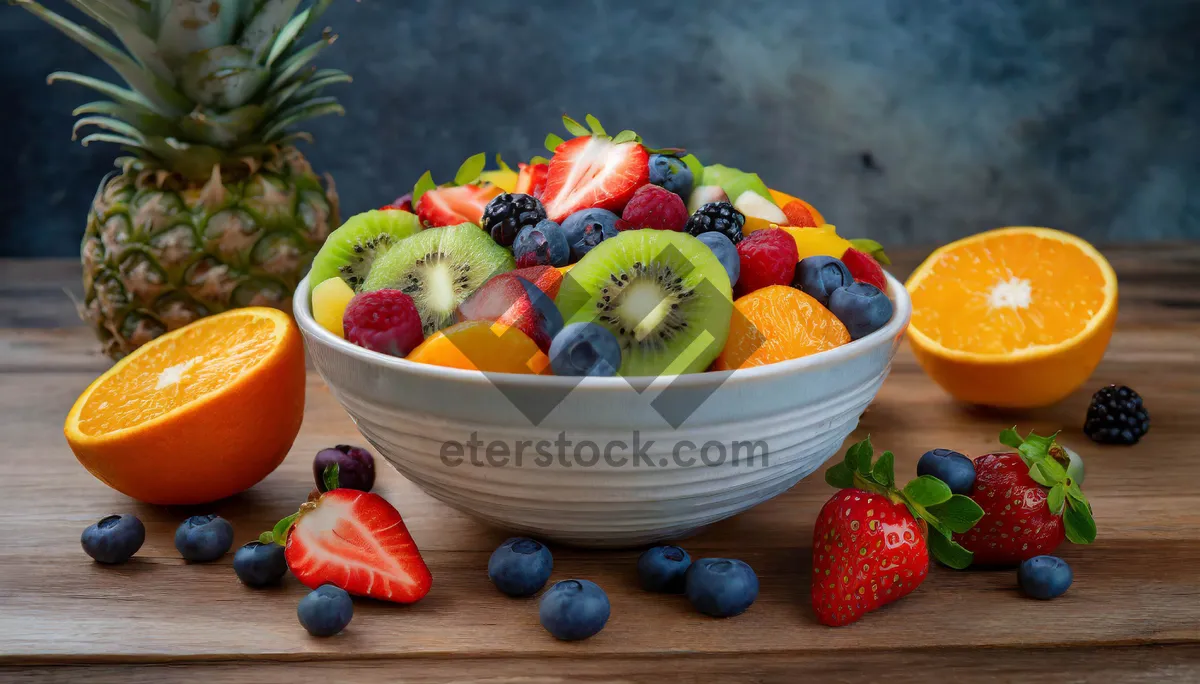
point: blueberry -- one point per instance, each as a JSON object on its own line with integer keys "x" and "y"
{"x": 325, "y": 611}
{"x": 861, "y": 307}
{"x": 574, "y": 609}
{"x": 721, "y": 587}
{"x": 587, "y": 228}
{"x": 585, "y": 349}
{"x": 951, "y": 467}
{"x": 672, "y": 174}
{"x": 259, "y": 565}
{"x": 819, "y": 276}
{"x": 114, "y": 538}
{"x": 1044, "y": 577}
{"x": 203, "y": 538}
{"x": 542, "y": 244}
{"x": 726, "y": 253}
{"x": 356, "y": 467}
{"x": 664, "y": 569}
{"x": 520, "y": 566}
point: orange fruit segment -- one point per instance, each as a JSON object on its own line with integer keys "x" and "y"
{"x": 198, "y": 414}
{"x": 778, "y": 323}
{"x": 1014, "y": 317}
{"x": 483, "y": 346}
{"x": 783, "y": 200}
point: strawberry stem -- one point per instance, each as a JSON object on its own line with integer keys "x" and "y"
{"x": 1048, "y": 462}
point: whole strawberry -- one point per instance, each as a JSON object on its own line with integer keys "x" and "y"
{"x": 872, "y": 542}
{"x": 1031, "y": 502}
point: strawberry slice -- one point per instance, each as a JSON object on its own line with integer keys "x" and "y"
{"x": 864, "y": 268}
{"x": 593, "y": 171}
{"x": 531, "y": 179}
{"x": 357, "y": 541}
{"x": 450, "y": 206}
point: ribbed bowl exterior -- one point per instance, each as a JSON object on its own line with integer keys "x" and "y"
{"x": 640, "y": 479}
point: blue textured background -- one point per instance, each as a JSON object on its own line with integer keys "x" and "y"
{"x": 908, "y": 121}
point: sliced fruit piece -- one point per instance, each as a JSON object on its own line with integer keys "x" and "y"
{"x": 517, "y": 302}
{"x": 453, "y": 205}
{"x": 734, "y": 181}
{"x": 198, "y": 414}
{"x": 358, "y": 542}
{"x": 778, "y": 323}
{"x": 864, "y": 268}
{"x": 531, "y": 180}
{"x": 823, "y": 241}
{"x": 664, "y": 294}
{"x": 782, "y": 199}
{"x": 350, "y": 250}
{"x": 754, "y": 205}
{"x": 547, "y": 278}
{"x": 329, "y": 302}
{"x": 705, "y": 194}
{"x": 1014, "y": 317}
{"x": 593, "y": 171}
{"x": 439, "y": 269}
{"x": 483, "y": 346}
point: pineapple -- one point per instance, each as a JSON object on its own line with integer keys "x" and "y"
{"x": 215, "y": 207}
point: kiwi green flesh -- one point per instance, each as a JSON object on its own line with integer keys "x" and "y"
{"x": 663, "y": 294}
{"x": 439, "y": 268}
{"x": 350, "y": 250}
{"x": 734, "y": 181}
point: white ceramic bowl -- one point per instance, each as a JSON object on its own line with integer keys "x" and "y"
{"x": 423, "y": 419}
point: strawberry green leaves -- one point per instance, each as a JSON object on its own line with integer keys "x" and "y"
{"x": 280, "y": 533}
{"x": 927, "y": 490}
{"x": 552, "y": 142}
{"x": 330, "y": 477}
{"x": 1048, "y": 463}
{"x": 424, "y": 184}
{"x": 468, "y": 172}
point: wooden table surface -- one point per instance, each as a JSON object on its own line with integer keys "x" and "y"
{"x": 1133, "y": 613}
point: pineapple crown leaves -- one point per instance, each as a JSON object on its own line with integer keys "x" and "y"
{"x": 927, "y": 498}
{"x": 468, "y": 172}
{"x": 595, "y": 129}
{"x": 1047, "y": 466}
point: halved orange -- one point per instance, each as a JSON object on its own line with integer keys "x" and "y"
{"x": 778, "y": 323}
{"x": 198, "y": 414}
{"x": 1014, "y": 317}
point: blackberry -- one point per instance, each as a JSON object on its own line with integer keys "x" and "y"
{"x": 718, "y": 216}
{"x": 1116, "y": 416}
{"x": 507, "y": 214}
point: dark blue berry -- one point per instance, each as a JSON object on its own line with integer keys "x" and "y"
{"x": 325, "y": 611}
{"x": 587, "y": 228}
{"x": 861, "y": 307}
{"x": 819, "y": 276}
{"x": 114, "y": 538}
{"x": 203, "y": 538}
{"x": 664, "y": 569}
{"x": 721, "y": 587}
{"x": 1044, "y": 577}
{"x": 583, "y": 349}
{"x": 356, "y": 467}
{"x": 542, "y": 245}
{"x": 520, "y": 566}
{"x": 671, "y": 173}
{"x": 574, "y": 609}
{"x": 951, "y": 467}
{"x": 260, "y": 565}
{"x": 726, "y": 253}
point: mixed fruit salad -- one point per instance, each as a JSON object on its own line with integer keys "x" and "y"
{"x": 607, "y": 258}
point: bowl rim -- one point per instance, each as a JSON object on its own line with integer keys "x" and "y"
{"x": 892, "y": 330}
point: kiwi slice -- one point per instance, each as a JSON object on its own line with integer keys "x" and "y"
{"x": 439, "y": 268}
{"x": 664, "y": 295}
{"x": 350, "y": 250}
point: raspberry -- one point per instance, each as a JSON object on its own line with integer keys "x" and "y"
{"x": 864, "y": 268}
{"x": 384, "y": 321}
{"x": 768, "y": 257}
{"x": 654, "y": 207}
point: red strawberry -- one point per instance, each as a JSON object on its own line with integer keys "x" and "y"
{"x": 864, "y": 268}
{"x": 357, "y": 541}
{"x": 514, "y": 301}
{"x": 869, "y": 546}
{"x": 799, "y": 215}
{"x": 452, "y": 205}
{"x": 655, "y": 208}
{"x": 402, "y": 203}
{"x": 768, "y": 257}
{"x": 1031, "y": 503}
{"x": 593, "y": 171}
{"x": 531, "y": 179}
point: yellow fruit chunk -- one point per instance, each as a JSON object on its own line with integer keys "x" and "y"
{"x": 823, "y": 241}
{"x": 1015, "y": 317}
{"x": 482, "y": 345}
{"x": 564, "y": 269}
{"x": 505, "y": 179}
{"x": 329, "y": 301}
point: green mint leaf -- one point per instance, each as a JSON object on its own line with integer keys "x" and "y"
{"x": 695, "y": 165}
{"x": 927, "y": 491}
{"x": 1057, "y": 498}
{"x": 500, "y": 163}
{"x": 840, "y": 476}
{"x": 330, "y": 477}
{"x": 574, "y": 127}
{"x": 1079, "y": 524}
{"x": 872, "y": 249}
{"x": 267, "y": 537}
{"x": 624, "y": 137}
{"x": 1010, "y": 438}
{"x": 280, "y": 533}
{"x": 594, "y": 124}
{"x": 470, "y": 169}
{"x": 884, "y": 470}
{"x": 552, "y": 142}
{"x": 538, "y": 159}
{"x": 858, "y": 456}
{"x": 949, "y": 552}
{"x": 424, "y": 184}
{"x": 959, "y": 514}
